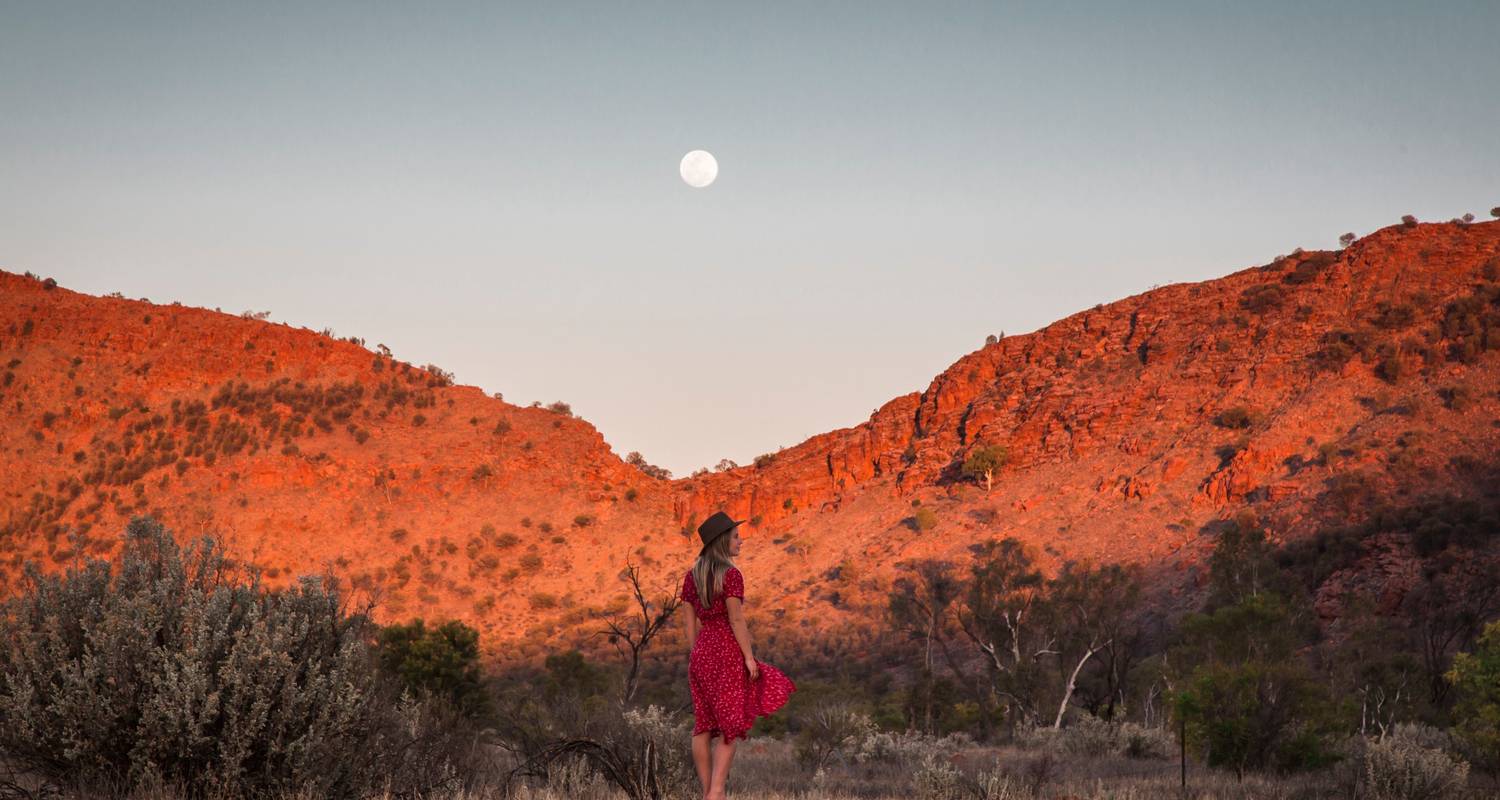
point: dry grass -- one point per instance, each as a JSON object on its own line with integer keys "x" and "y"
{"x": 767, "y": 769}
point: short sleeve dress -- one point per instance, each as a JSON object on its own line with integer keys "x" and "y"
{"x": 725, "y": 700}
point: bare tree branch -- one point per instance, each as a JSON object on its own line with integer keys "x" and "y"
{"x": 631, "y": 634}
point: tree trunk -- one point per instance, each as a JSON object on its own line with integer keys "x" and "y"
{"x": 1072, "y": 682}
{"x": 632, "y": 680}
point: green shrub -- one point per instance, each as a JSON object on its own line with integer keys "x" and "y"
{"x": 442, "y": 661}
{"x": 542, "y": 601}
{"x": 1309, "y": 268}
{"x": 1457, "y": 397}
{"x": 1251, "y": 702}
{"x": 1338, "y": 347}
{"x": 925, "y": 519}
{"x": 1261, "y": 298}
{"x": 1472, "y": 323}
{"x": 1476, "y": 678}
{"x": 1393, "y": 316}
{"x": 1236, "y": 418}
{"x": 1353, "y": 489}
{"x": 1391, "y": 368}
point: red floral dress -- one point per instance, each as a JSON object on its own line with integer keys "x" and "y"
{"x": 725, "y": 700}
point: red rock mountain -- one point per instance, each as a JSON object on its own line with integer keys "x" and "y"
{"x": 1295, "y": 389}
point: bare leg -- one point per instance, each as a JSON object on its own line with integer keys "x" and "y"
{"x": 723, "y": 757}
{"x": 700, "y": 759}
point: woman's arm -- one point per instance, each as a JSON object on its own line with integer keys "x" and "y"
{"x": 692, "y": 626}
{"x": 736, "y": 608}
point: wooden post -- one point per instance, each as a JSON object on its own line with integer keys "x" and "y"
{"x": 1182, "y": 743}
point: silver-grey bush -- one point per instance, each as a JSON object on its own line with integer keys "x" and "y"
{"x": 169, "y": 671}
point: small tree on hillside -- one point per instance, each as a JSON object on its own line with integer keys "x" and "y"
{"x": 635, "y": 459}
{"x": 982, "y": 463}
{"x": 385, "y": 480}
{"x": 632, "y": 634}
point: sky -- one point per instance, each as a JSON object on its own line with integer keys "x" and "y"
{"x": 494, "y": 187}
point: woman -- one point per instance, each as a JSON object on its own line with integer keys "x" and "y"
{"x": 730, "y": 688}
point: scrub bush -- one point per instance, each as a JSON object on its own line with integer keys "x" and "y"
{"x": 1400, "y": 769}
{"x": 169, "y": 672}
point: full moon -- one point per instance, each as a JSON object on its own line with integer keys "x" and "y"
{"x": 699, "y": 168}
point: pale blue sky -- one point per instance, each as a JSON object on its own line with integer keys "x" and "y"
{"x": 493, "y": 187}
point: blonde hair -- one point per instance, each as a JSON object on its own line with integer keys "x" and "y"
{"x": 709, "y": 569}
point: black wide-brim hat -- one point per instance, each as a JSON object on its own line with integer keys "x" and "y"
{"x": 716, "y": 526}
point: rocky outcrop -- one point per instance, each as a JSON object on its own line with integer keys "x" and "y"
{"x": 1142, "y": 382}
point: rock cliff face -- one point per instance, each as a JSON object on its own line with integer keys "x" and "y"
{"x": 1289, "y": 389}
{"x": 1135, "y": 377}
